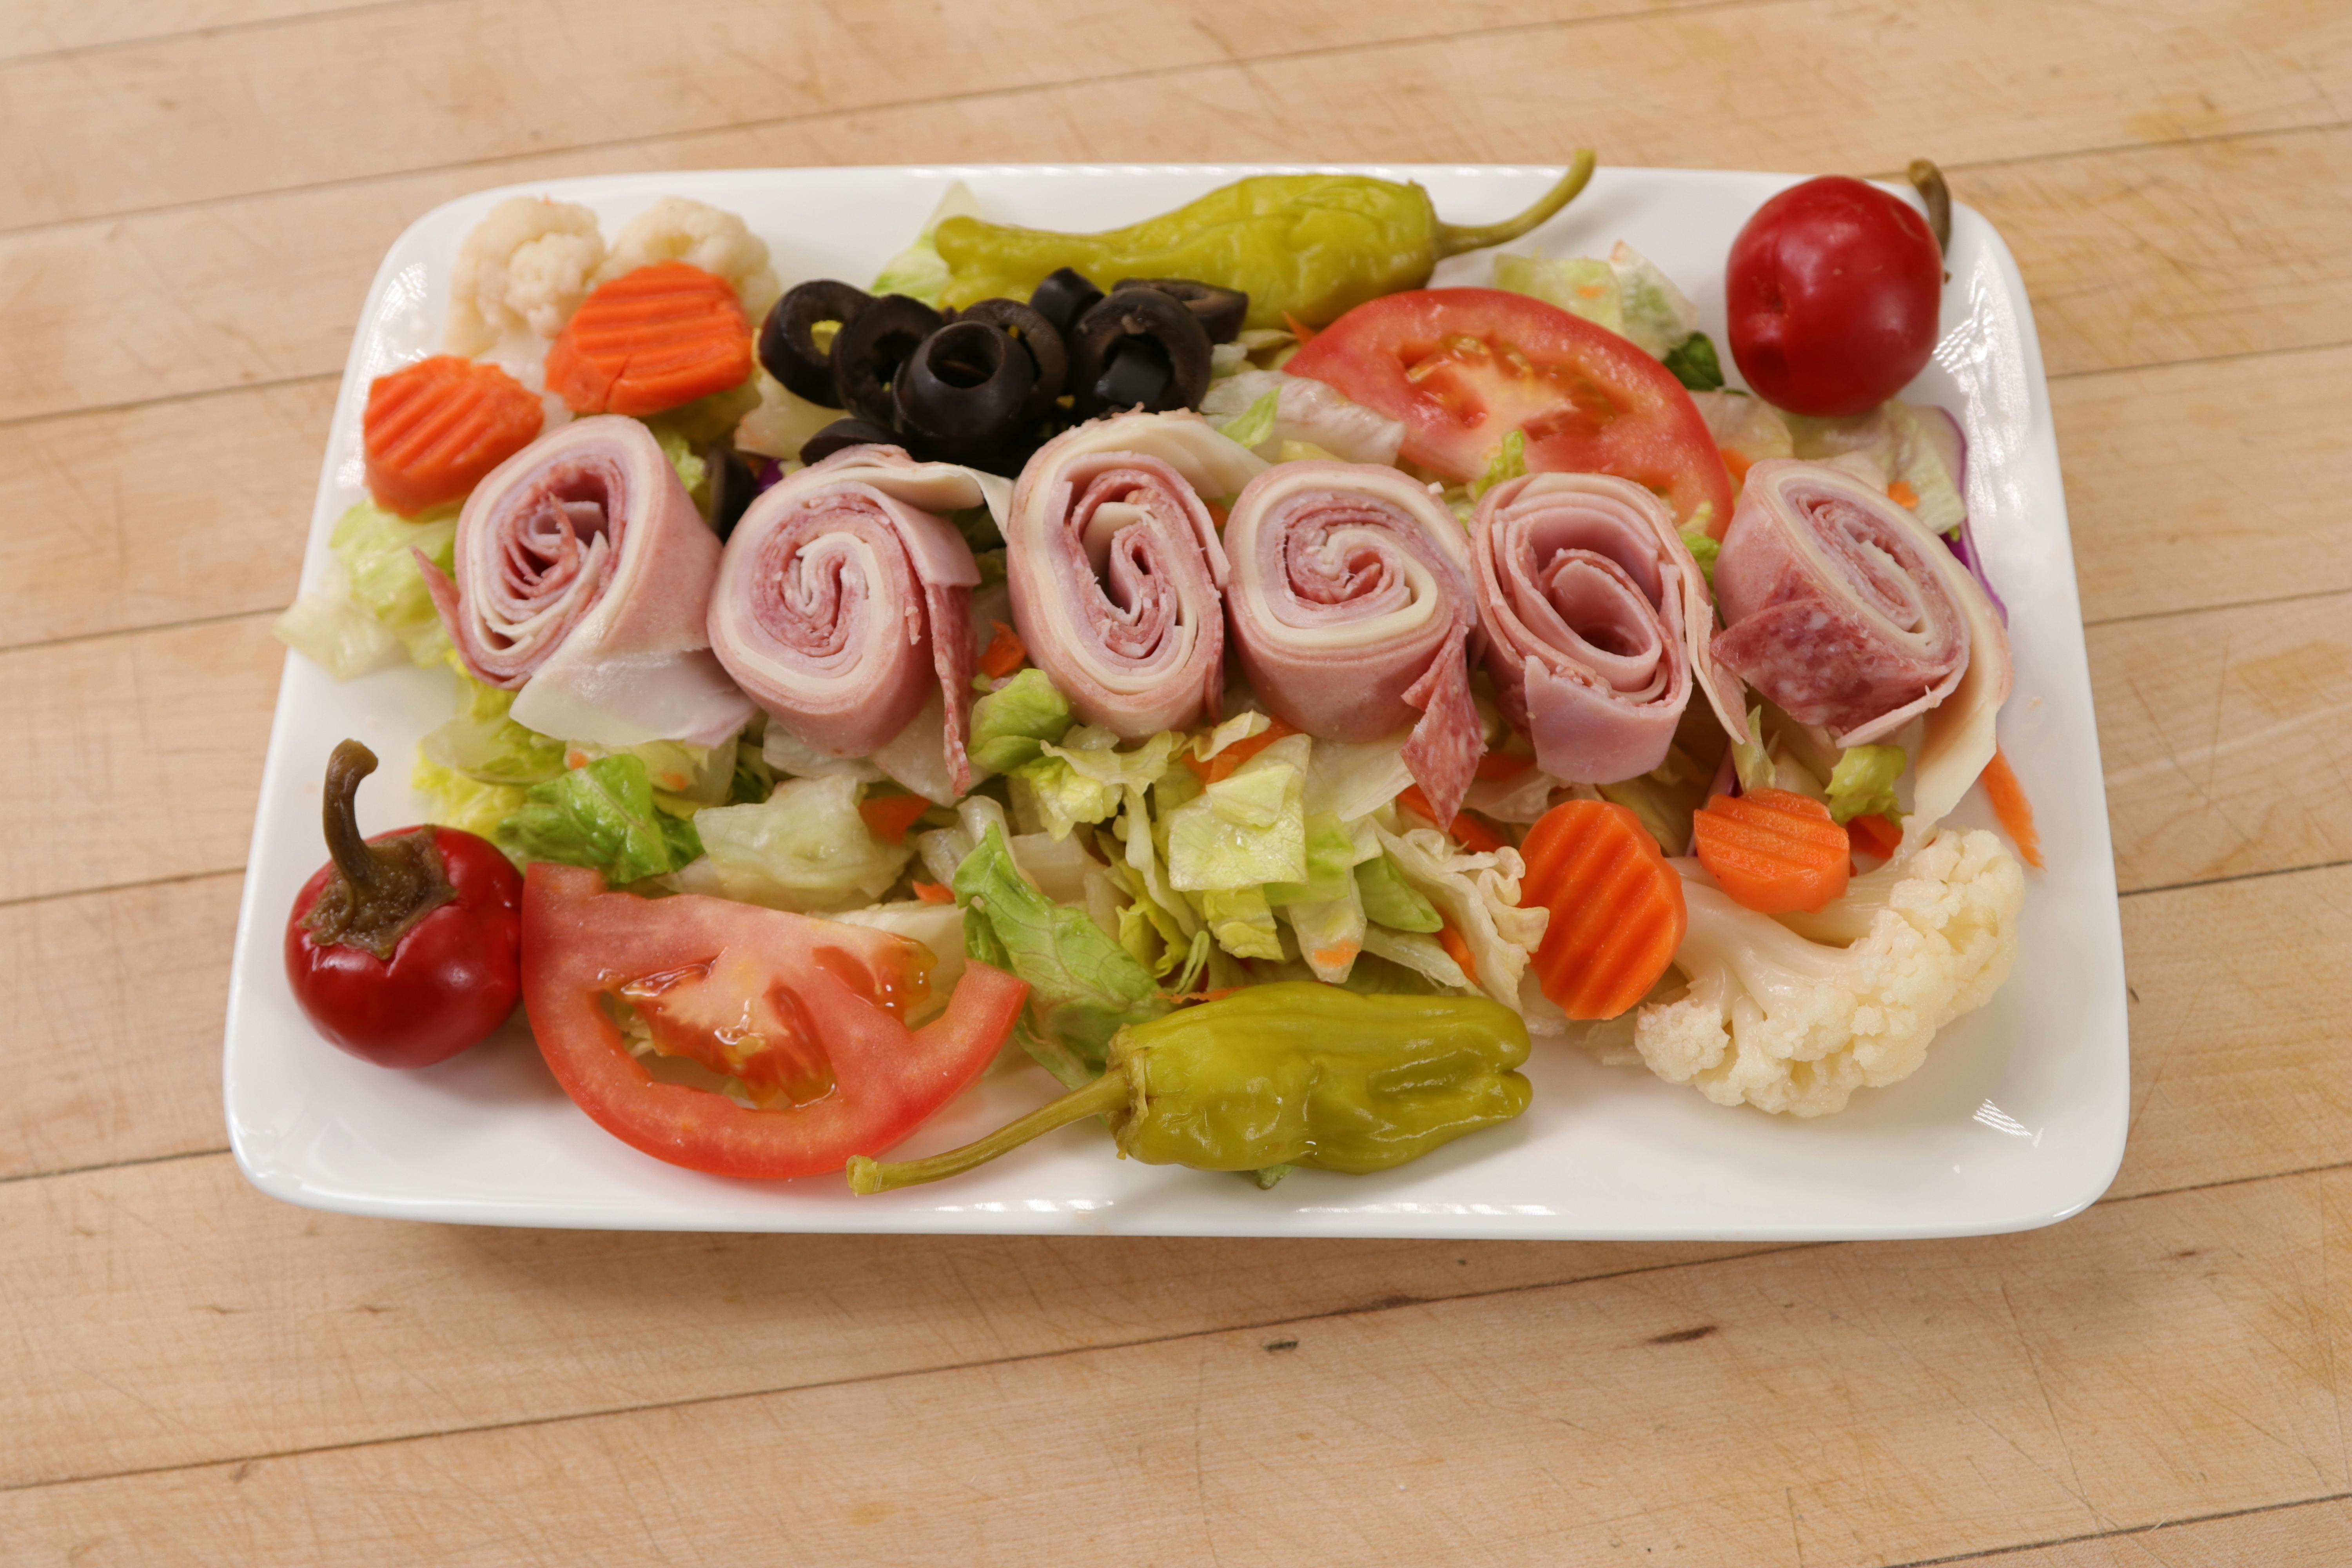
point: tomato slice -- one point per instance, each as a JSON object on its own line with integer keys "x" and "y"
{"x": 808, "y": 1013}
{"x": 1464, "y": 367}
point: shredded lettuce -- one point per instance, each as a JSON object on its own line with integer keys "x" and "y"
{"x": 1509, "y": 463}
{"x": 1247, "y": 829}
{"x": 603, "y": 815}
{"x": 1889, "y": 447}
{"x": 1087, "y": 779}
{"x": 805, "y": 848}
{"x": 1694, "y": 362}
{"x": 1582, "y": 285}
{"x": 1423, "y": 955}
{"x": 453, "y": 800}
{"x": 373, "y": 602}
{"x": 1084, "y": 987}
{"x": 918, "y": 272}
{"x": 1751, "y": 759}
{"x": 1010, "y": 725}
{"x": 1703, "y": 550}
{"x": 1242, "y": 922}
{"x": 691, "y": 469}
{"x": 1477, "y": 894}
{"x": 1628, "y": 294}
{"x": 1255, "y": 424}
{"x": 1389, "y": 901}
{"x": 484, "y": 743}
{"x": 1863, "y": 782}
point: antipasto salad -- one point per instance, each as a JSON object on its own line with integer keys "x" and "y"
{"x": 1268, "y": 694}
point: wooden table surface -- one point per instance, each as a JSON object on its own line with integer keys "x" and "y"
{"x": 194, "y": 197}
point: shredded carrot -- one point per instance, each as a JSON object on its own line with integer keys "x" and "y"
{"x": 1298, "y": 328}
{"x": 1219, "y": 768}
{"x": 1004, "y": 655}
{"x": 651, "y": 339}
{"x": 889, "y": 815}
{"x": 1773, "y": 851}
{"x": 435, "y": 428}
{"x": 1467, "y": 830}
{"x": 1903, "y": 495}
{"x": 932, "y": 893}
{"x": 1217, "y": 514}
{"x": 1499, "y": 765}
{"x": 1617, "y": 909}
{"x": 1458, "y": 949}
{"x": 1183, "y": 998}
{"x": 1874, "y": 836}
{"x": 1339, "y": 957}
{"x": 2010, "y": 805}
{"x": 1737, "y": 464}
{"x": 1590, "y": 291}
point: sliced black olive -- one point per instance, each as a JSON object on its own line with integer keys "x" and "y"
{"x": 1039, "y": 336}
{"x": 965, "y": 391}
{"x": 1063, "y": 297}
{"x": 1137, "y": 376}
{"x": 844, "y": 433}
{"x": 1148, "y": 315}
{"x": 731, "y": 483}
{"x": 1222, "y": 310}
{"x": 869, "y": 352}
{"x": 788, "y": 347}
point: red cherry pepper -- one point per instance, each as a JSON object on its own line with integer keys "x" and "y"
{"x": 404, "y": 949}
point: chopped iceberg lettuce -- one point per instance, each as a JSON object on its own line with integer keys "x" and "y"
{"x": 1010, "y": 725}
{"x": 1863, "y": 782}
{"x": 603, "y": 815}
{"x": 805, "y": 848}
{"x": 1247, "y": 829}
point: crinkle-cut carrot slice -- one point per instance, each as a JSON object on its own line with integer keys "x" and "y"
{"x": 433, "y": 430}
{"x": 649, "y": 340}
{"x": 1617, "y": 909}
{"x": 1772, "y": 850}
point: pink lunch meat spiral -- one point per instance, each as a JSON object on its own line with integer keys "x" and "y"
{"x": 581, "y": 582}
{"x": 1838, "y": 605}
{"x": 1352, "y": 608}
{"x": 843, "y": 602}
{"x": 1115, "y": 567}
{"x": 1597, "y": 619}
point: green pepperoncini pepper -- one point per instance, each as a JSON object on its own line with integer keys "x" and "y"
{"x": 1294, "y": 1073}
{"x": 1309, "y": 246}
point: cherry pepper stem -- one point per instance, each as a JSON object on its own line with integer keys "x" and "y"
{"x": 1928, "y": 181}
{"x": 349, "y": 764}
{"x": 1106, "y": 1094}
{"x": 1452, "y": 239}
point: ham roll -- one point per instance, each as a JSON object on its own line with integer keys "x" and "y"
{"x": 1353, "y": 605}
{"x": 1115, "y": 569}
{"x": 844, "y": 604}
{"x": 1840, "y": 607}
{"x": 583, "y": 584}
{"x": 1597, "y": 620}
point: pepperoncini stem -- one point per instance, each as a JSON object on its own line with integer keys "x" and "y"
{"x": 1106, "y": 1094}
{"x": 1453, "y": 239}
{"x": 1928, "y": 181}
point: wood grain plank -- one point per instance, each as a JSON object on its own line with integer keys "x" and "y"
{"x": 2225, "y": 741}
{"x": 292, "y": 1329}
{"x": 2087, "y": 229}
{"x": 2238, "y": 1049}
{"x": 141, "y": 755}
{"x": 52, "y": 26}
{"x": 2195, "y": 485}
{"x": 115, "y": 1053}
{"x": 176, "y": 512}
{"x": 455, "y": 81}
{"x": 2309, "y": 1533}
{"x": 1829, "y": 1406}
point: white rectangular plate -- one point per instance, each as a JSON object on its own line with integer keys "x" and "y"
{"x": 2016, "y": 1120}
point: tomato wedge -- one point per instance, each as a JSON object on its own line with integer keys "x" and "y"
{"x": 807, "y": 1014}
{"x": 1464, "y": 367}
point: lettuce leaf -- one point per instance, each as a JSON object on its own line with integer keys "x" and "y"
{"x": 1246, "y": 830}
{"x": 805, "y": 848}
{"x": 373, "y": 605}
{"x": 918, "y": 272}
{"x": 453, "y": 800}
{"x": 603, "y": 815}
{"x": 1389, "y": 901}
{"x": 1255, "y": 424}
{"x": 486, "y": 745}
{"x": 1703, "y": 550}
{"x": 1509, "y": 463}
{"x": 1242, "y": 921}
{"x": 1863, "y": 782}
{"x": 1010, "y": 725}
{"x": 1084, "y": 987}
{"x": 1694, "y": 363}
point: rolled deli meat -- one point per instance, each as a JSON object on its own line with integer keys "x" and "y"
{"x": 844, "y": 604}
{"x": 1352, "y": 603}
{"x": 1597, "y": 623}
{"x": 583, "y": 584}
{"x": 1117, "y": 572}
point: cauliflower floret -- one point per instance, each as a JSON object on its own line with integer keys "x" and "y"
{"x": 1792, "y": 1026}
{"x": 675, "y": 228}
{"x": 525, "y": 267}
